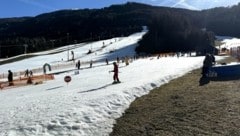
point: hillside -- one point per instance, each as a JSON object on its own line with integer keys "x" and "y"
{"x": 56, "y": 29}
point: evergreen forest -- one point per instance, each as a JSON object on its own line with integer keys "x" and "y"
{"x": 170, "y": 29}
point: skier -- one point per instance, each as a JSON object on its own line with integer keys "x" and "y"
{"x": 115, "y": 75}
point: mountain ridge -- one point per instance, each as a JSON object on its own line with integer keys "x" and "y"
{"x": 56, "y": 29}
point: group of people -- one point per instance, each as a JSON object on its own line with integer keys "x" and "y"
{"x": 78, "y": 64}
{"x": 115, "y": 69}
{"x": 125, "y": 59}
{"x": 208, "y": 62}
{"x": 28, "y": 73}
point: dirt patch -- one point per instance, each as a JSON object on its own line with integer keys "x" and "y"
{"x": 185, "y": 107}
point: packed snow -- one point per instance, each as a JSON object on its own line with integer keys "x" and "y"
{"x": 90, "y": 103}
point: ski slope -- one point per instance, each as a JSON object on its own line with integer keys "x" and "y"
{"x": 121, "y": 47}
{"x": 89, "y": 104}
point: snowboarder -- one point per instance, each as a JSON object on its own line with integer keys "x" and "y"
{"x": 115, "y": 75}
{"x": 10, "y": 78}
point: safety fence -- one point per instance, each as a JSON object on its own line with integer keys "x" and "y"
{"x": 40, "y": 70}
{"x": 85, "y": 64}
{"x": 235, "y": 52}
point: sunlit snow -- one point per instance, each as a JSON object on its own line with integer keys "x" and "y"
{"x": 89, "y": 104}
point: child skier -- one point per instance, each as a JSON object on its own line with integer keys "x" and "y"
{"x": 115, "y": 75}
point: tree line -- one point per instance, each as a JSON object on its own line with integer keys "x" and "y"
{"x": 170, "y": 29}
{"x": 174, "y": 33}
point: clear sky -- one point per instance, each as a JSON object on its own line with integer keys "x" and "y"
{"x": 19, "y": 8}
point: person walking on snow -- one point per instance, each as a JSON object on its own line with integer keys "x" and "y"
{"x": 115, "y": 75}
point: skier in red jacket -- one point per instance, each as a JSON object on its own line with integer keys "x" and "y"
{"x": 115, "y": 75}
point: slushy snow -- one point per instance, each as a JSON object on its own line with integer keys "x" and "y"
{"x": 89, "y": 104}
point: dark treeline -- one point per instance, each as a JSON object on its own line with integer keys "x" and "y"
{"x": 170, "y": 29}
{"x": 59, "y": 28}
{"x": 223, "y": 21}
{"x": 174, "y": 33}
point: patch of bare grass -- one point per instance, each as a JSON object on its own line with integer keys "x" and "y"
{"x": 183, "y": 107}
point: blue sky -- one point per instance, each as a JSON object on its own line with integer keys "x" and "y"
{"x": 19, "y": 8}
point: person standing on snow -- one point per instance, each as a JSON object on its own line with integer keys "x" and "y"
{"x": 126, "y": 60}
{"x": 118, "y": 60}
{"x": 30, "y": 73}
{"x": 10, "y": 78}
{"x": 26, "y": 73}
{"x": 106, "y": 61}
{"x": 78, "y": 64}
{"x": 115, "y": 75}
{"x": 91, "y": 62}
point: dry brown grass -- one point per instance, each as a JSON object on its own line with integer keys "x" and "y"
{"x": 184, "y": 108}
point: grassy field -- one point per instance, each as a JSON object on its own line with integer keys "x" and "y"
{"x": 185, "y": 107}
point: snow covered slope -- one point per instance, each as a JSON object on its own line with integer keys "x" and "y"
{"x": 89, "y": 104}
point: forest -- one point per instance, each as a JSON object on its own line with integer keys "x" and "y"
{"x": 170, "y": 29}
